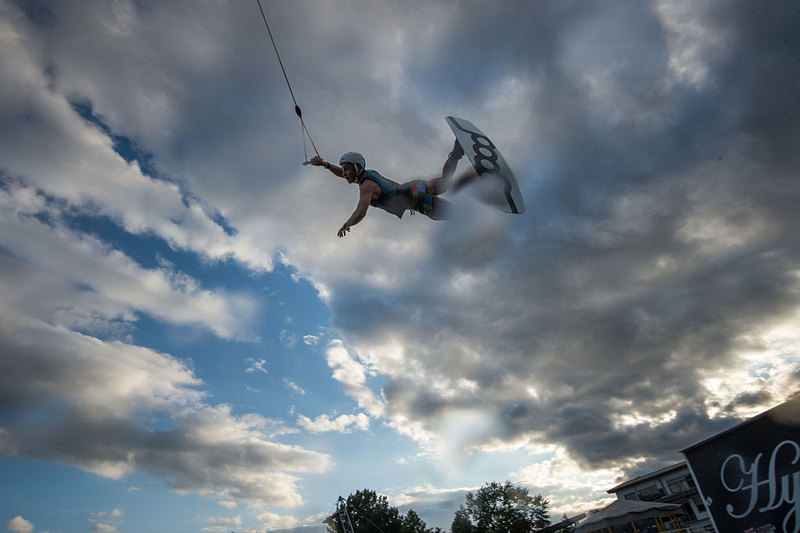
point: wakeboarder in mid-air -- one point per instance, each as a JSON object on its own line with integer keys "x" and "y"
{"x": 498, "y": 185}
{"x": 422, "y": 195}
{"x": 396, "y": 198}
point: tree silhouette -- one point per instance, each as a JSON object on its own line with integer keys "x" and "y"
{"x": 501, "y": 508}
{"x": 371, "y": 513}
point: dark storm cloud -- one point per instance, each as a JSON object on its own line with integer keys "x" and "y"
{"x": 660, "y": 241}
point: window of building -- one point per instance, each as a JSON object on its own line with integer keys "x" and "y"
{"x": 680, "y": 485}
{"x": 650, "y": 493}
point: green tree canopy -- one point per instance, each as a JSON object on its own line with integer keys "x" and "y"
{"x": 371, "y": 513}
{"x": 412, "y": 523}
{"x": 461, "y": 522}
{"x": 501, "y": 508}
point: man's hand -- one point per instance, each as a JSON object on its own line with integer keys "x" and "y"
{"x": 316, "y": 161}
{"x": 368, "y": 191}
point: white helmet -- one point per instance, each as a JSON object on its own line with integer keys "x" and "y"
{"x": 356, "y": 159}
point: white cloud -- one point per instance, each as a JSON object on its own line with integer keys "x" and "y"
{"x": 352, "y": 376}
{"x": 86, "y": 172}
{"x": 109, "y": 385}
{"x": 560, "y": 472}
{"x": 94, "y": 282}
{"x": 19, "y": 525}
{"x": 273, "y": 521}
{"x": 292, "y": 386}
{"x": 256, "y": 366}
{"x": 104, "y": 521}
{"x": 102, "y": 379}
{"x": 223, "y": 524}
{"x": 340, "y": 424}
{"x": 228, "y": 504}
{"x": 766, "y": 370}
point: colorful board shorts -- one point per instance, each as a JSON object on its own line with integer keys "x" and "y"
{"x": 421, "y": 197}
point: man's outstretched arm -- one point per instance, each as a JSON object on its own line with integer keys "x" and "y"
{"x": 368, "y": 192}
{"x": 317, "y": 161}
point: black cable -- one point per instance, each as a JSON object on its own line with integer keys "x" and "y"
{"x": 289, "y": 85}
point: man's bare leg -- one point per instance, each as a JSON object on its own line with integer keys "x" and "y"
{"x": 440, "y": 185}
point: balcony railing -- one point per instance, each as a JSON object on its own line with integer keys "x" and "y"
{"x": 705, "y": 528}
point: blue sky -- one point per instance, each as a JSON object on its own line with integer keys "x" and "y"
{"x": 187, "y": 345}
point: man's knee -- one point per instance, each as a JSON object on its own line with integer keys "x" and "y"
{"x": 441, "y": 184}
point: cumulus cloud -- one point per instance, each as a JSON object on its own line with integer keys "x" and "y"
{"x": 273, "y": 521}
{"x": 223, "y": 524}
{"x": 100, "y": 389}
{"x": 562, "y": 481}
{"x": 98, "y": 380}
{"x": 352, "y": 376}
{"x": 340, "y": 424}
{"x": 228, "y": 504}
{"x": 84, "y": 169}
{"x": 106, "y": 521}
{"x": 19, "y": 525}
{"x": 94, "y": 283}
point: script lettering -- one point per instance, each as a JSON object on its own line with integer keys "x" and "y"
{"x": 780, "y": 490}
{"x": 752, "y": 486}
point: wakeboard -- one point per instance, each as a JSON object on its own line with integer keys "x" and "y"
{"x": 489, "y": 164}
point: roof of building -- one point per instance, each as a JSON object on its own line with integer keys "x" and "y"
{"x": 626, "y": 511}
{"x": 650, "y": 475}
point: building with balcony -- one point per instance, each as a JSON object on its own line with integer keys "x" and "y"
{"x": 672, "y": 484}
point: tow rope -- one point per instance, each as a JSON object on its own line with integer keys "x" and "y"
{"x": 297, "y": 110}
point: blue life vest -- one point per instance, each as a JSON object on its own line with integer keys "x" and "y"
{"x": 394, "y": 197}
{"x": 388, "y": 187}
